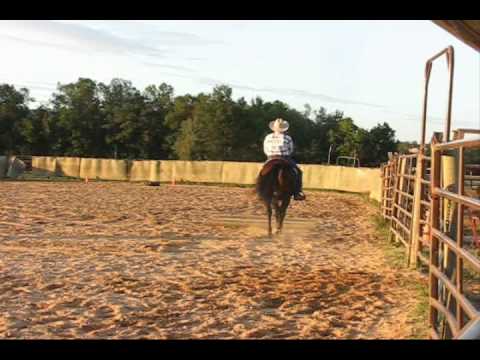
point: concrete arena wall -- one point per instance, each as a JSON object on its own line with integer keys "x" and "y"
{"x": 192, "y": 171}
{"x": 104, "y": 169}
{"x": 240, "y": 172}
{"x": 140, "y": 170}
{"x": 166, "y": 171}
{"x": 109, "y": 169}
{"x": 44, "y": 164}
{"x": 89, "y": 168}
{"x": 68, "y": 166}
{"x": 358, "y": 180}
{"x": 155, "y": 170}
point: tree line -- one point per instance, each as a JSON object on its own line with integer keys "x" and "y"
{"x": 116, "y": 120}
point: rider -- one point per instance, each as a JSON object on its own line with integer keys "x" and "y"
{"x": 279, "y": 145}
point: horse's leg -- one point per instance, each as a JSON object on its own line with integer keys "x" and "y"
{"x": 283, "y": 210}
{"x": 269, "y": 213}
{"x": 277, "y": 214}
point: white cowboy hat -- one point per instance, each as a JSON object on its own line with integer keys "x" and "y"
{"x": 279, "y": 125}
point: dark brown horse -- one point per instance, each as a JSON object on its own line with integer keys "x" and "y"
{"x": 275, "y": 187}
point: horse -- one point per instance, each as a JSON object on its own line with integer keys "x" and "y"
{"x": 275, "y": 186}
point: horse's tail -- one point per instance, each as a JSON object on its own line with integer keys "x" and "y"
{"x": 266, "y": 185}
{"x": 285, "y": 179}
{"x": 282, "y": 171}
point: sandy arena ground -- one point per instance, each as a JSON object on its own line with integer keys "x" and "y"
{"x": 123, "y": 260}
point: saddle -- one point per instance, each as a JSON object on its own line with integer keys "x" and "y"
{"x": 272, "y": 163}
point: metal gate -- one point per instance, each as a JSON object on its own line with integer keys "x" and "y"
{"x": 427, "y": 210}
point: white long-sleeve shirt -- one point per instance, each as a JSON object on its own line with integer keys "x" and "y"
{"x": 278, "y": 145}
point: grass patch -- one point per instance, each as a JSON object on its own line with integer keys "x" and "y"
{"x": 419, "y": 315}
{"x": 394, "y": 252}
{"x": 396, "y": 256}
{"x": 30, "y": 178}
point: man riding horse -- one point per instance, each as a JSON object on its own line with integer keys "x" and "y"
{"x": 278, "y": 145}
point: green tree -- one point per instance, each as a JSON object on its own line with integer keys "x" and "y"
{"x": 36, "y": 132}
{"x": 14, "y": 112}
{"x": 377, "y": 143}
{"x": 181, "y": 110}
{"x": 77, "y": 113}
{"x": 159, "y": 102}
{"x": 117, "y": 120}
{"x": 185, "y": 144}
{"x": 320, "y": 140}
{"x": 248, "y": 128}
{"x": 404, "y": 146}
{"x": 122, "y": 107}
{"x": 212, "y": 123}
{"x": 346, "y": 138}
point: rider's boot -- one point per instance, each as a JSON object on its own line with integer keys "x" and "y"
{"x": 299, "y": 195}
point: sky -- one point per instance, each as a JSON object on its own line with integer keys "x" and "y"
{"x": 373, "y": 70}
